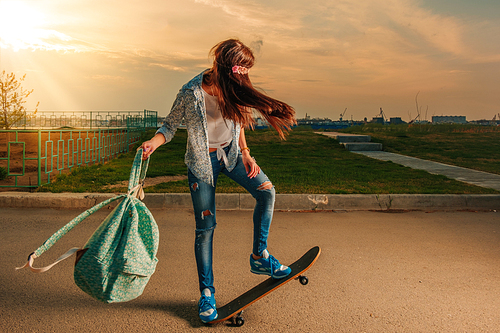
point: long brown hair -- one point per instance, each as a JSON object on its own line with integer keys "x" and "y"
{"x": 236, "y": 95}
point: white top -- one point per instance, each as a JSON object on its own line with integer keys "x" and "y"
{"x": 219, "y": 129}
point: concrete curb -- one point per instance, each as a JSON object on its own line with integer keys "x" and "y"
{"x": 292, "y": 202}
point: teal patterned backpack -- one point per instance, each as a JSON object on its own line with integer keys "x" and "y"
{"x": 119, "y": 258}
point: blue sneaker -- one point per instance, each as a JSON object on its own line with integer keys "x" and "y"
{"x": 206, "y": 306}
{"x": 269, "y": 265}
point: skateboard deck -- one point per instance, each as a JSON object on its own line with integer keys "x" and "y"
{"x": 232, "y": 310}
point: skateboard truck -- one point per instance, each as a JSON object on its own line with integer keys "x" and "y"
{"x": 238, "y": 319}
{"x": 302, "y": 279}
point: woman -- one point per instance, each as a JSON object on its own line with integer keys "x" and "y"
{"x": 216, "y": 106}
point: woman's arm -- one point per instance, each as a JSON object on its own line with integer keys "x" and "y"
{"x": 167, "y": 131}
{"x": 250, "y": 165}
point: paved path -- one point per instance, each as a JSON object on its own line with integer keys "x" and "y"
{"x": 378, "y": 272}
{"x": 478, "y": 178}
{"x": 474, "y": 177}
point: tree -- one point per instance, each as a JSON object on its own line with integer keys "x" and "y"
{"x": 12, "y": 99}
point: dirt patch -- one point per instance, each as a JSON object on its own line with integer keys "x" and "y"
{"x": 149, "y": 181}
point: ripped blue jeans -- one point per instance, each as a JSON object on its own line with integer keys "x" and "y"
{"x": 203, "y": 197}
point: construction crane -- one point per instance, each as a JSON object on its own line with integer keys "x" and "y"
{"x": 495, "y": 121}
{"x": 382, "y": 116}
{"x": 342, "y": 114}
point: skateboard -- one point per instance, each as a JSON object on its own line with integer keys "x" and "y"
{"x": 234, "y": 309}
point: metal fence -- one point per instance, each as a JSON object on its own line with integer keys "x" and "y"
{"x": 89, "y": 119}
{"x": 32, "y": 157}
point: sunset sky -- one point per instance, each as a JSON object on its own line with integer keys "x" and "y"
{"x": 319, "y": 56}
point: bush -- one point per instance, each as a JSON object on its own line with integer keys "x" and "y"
{"x": 3, "y": 173}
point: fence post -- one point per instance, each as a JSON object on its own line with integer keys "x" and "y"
{"x": 40, "y": 158}
{"x": 128, "y": 133}
{"x": 99, "y": 147}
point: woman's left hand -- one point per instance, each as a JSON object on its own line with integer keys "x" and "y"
{"x": 250, "y": 165}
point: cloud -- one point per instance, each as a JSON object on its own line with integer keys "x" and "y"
{"x": 387, "y": 44}
{"x": 444, "y": 33}
{"x": 256, "y": 45}
{"x": 258, "y": 14}
{"x": 111, "y": 79}
{"x": 169, "y": 67}
{"x": 403, "y": 26}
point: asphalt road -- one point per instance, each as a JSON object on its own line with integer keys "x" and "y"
{"x": 378, "y": 272}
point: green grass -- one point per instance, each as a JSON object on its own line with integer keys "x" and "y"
{"x": 3, "y": 173}
{"x": 304, "y": 163}
{"x": 468, "y": 146}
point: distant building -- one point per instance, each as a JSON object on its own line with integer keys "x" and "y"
{"x": 378, "y": 120}
{"x": 396, "y": 121}
{"x": 449, "y": 120}
{"x": 261, "y": 123}
{"x": 485, "y": 122}
{"x": 326, "y": 123}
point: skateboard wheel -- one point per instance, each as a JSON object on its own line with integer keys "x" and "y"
{"x": 239, "y": 321}
{"x": 303, "y": 280}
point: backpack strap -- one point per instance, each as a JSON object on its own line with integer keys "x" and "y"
{"x": 61, "y": 232}
{"x": 136, "y": 180}
{"x": 137, "y": 175}
{"x": 31, "y": 259}
{"x": 138, "y": 172}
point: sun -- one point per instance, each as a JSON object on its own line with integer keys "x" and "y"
{"x": 24, "y": 27}
{"x": 20, "y": 25}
